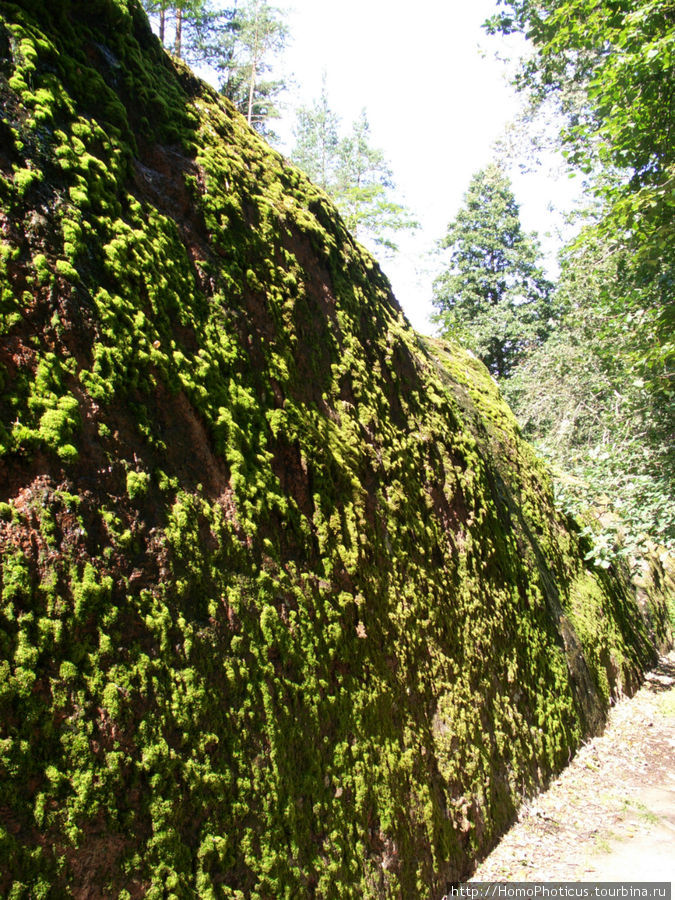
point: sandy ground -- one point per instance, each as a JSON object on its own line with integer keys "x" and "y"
{"x": 610, "y": 816}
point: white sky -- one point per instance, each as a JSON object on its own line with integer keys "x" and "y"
{"x": 437, "y": 100}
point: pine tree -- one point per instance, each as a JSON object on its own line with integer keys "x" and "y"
{"x": 209, "y": 36}
{"x": 355, "y": 174}
{"x": 257, "y": 34}
{"x": 316, "y": 141}
{"x": 158, "y": 8}
{"x": 238, "y": 42}
{"x": 493, "y": 297}
{"x": 184, "y": 13}
{"x": 363, "y": 189}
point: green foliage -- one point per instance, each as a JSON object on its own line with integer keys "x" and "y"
{"x": 185, "y": 13}
{"x": 258, "y": 35}
{"x": 493, "y": 297}
{"x": 584, "y": 399}
{"x": 317, "y": 142}
{"x": 354, "y": 174}
{"x": 238, "y": 43}
{"x": 209, "y": 36}
{"x": 608, "y": 69}
{"x": 362, "y": 189}
{"x": 618, "y": 58}
{"x": 247, "y": 636}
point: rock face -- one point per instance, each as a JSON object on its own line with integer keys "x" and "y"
{"x": 286, "y": 607}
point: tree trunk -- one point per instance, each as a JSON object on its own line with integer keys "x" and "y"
{"x": 251, "y": 88}
{"x": 162, "y": 25}
{"x": 324, "y": 156}
{"x": 254, "y": 68}
{"x": 179, "y": 32}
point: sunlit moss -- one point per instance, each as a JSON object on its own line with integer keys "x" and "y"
{"x": 289, "y": 606}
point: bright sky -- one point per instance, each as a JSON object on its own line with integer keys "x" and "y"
{"x": 437, "y": 100}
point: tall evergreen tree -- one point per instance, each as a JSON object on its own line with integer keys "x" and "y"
{"x": 363, "y": 189}
{"x": 256, "y": 36}
{"x": 209, "y": 36}
{"x": 355, "y": 174}
{"x": 317, "y": 141}
{"x": 239, "y": 42}
{"x": 183, "y": 13}
{"x": 493, "y": 296}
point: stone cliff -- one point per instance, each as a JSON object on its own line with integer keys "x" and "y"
{"x": 287, "y": 610}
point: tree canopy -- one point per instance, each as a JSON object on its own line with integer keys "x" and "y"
{"x": 355, "y": 174}
{"x": 581, "y": 399}
{"x": 317, "y": 141}
{"x": 239, "y": 43}
{"x": 610, "y": 69}
{"x": 598, "y": 396}
{"x": 493, "y": 295}
{"x": 259, "y": 34}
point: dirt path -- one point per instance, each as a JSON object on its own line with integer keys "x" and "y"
{"x": 610, "y": 816}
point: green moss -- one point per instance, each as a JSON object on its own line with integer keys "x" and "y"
{"x": 325, "y": 647}
{"x": 63, "y": 267}
{"x": 41, "y": 268}
{"x": 24, "y": 179}
{"x": 55, "y": 424}
{"x": 137, "y": 484}
{"x": 16, "y": 580}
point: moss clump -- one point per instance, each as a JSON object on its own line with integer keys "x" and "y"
{"x": 286, "y": 606}
{"x": 137, "y": 485}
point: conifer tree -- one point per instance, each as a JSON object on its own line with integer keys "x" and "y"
{"x": 364, "y": 187}
{"x": 239, "y": 42}
{"x": 316, "y": 141}
{"x": 493, "y": 296}
{"x": 257, "y": 34}
{"x": 183, "y": 13}
{"x": 355, "y": 174}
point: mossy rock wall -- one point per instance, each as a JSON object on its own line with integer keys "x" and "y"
{"x": 286, "y": 607}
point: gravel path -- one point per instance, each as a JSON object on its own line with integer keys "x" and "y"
{"x": 610, "y": 816}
